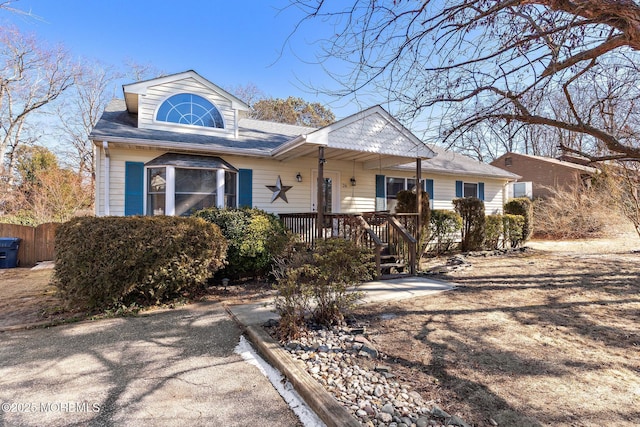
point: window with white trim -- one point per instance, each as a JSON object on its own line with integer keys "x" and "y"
{"x": 470, "y": 189}
{"x": 179, "y": 184}
{"x": 181, "y": 191}
{"x": 519, "y": 189}
{"x": 190, "y": 109}
{"x": 394, "y": 186}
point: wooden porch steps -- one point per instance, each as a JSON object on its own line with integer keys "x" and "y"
{"x": 389, "y": 263}
{"x": 390, "y": 266}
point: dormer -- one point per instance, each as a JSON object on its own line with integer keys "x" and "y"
{"x": 186, "y": 103}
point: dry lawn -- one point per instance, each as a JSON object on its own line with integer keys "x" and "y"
{"x": 26, "y": 298}
{"x": 545, "y": 337}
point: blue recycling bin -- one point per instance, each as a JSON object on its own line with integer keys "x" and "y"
{"x": 9, "y": 252}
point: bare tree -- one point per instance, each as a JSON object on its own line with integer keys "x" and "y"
{"x": 249, "y": 93}
{"x": 94, "y": 87}
{"x": 622, "y": 181}
{"x": 466, "y": 63}
{"x": 31, "y": 77}
{"x": 139, "y": 72}
{"x": 294, "y": 111}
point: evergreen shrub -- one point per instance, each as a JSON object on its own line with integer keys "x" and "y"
{"x": 471, "y": 209}
{"x": 524, "y": 207}
{"x": 514, "y": 229}
{"x": 445, "y": 228}
{"x": 104, "y": 262}
{"x": 494, "y": 231}
{"x": 254, "y": 236}
{"x": 407, "y": 204}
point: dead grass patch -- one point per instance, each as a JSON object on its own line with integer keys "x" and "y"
{"x": 531, "y": 339}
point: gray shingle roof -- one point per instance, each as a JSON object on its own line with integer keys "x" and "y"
{"x": 451, "y": 163}
{"x": 257, "y": 137}
{"x": 254, "y": 136}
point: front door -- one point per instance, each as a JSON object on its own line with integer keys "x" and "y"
{"x": 331, "y": 189}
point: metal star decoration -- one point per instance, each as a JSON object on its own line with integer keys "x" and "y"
{"x": 279, "y": 190}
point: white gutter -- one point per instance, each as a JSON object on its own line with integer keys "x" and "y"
{"x": 289, "y": 145}
{"x": 184, "y": 147}
{"x": 107, "y": 176}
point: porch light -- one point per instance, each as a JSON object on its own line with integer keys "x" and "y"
{"x": 353, "y": 181}
{"x": 299, "y": 177}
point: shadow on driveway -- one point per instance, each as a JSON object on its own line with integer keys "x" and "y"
{"x": 175, "y": 367}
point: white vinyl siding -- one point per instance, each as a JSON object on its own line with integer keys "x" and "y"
{"x": 155, "y": 95}
{"x": 444, "y": 189}
{"x": 358, "y": 198}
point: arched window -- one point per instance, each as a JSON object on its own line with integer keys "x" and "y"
{"x": 190, "y": 109}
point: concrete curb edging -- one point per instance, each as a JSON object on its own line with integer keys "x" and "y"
{"x": 332, "y": 413}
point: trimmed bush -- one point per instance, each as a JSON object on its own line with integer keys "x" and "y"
{"x": 445, "y": 228}
{"x": 514, "y": 229}
{"x": 106, "y": 262}
{"x": 321, "y": 279}
{"x": 471, "y": 209}
{"x": 254, "y": 236}
{"x": 494, "y": 231}
{"x": 524, "y": 207}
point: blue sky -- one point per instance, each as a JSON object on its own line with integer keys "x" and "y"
{"x": 230, "y": 43}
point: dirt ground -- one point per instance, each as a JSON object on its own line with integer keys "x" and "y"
{"x": 27, "y": 298}
{"x": 548, "y": 336}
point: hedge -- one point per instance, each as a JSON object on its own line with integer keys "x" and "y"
{"x": 109, "y": 261}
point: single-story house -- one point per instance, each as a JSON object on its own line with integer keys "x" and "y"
{"x": 540, "y": 174}
{"x": 179, "y": 143}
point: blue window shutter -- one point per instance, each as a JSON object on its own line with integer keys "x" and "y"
{"x": 245, "y": 188}
{"x": 133, "y": 188}
{"x": 459, "y": 189}
{"x": 380, "y": 190}
{"x": 429, "y": 187}
{"x": 481, "y": 191}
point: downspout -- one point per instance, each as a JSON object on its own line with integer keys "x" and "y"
{"x": 235, "y": 123}
{"x": 107, "y": 176}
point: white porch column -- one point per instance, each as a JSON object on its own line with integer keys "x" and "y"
{"x": 320, "y": 192}
{"x": 220, "y": 188}
{"x": 419, "y": 197}
{"x": 170, "y": 192}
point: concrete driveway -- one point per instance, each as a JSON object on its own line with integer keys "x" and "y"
{"x": 169, "y": 368}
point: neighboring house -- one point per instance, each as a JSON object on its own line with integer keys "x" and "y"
{"x": 539, "y": 174}
{"x": 180, "y": 143}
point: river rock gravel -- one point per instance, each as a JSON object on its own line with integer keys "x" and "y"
{"x": 349, "y": 366}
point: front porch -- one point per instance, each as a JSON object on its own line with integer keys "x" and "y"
{"x": 393, "y": 238}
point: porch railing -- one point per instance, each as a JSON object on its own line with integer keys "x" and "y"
{"x": 379, "y": 231}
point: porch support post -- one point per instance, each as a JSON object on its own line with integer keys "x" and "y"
{"x": 419, "y": 204}
{"x": 320, "y": 192}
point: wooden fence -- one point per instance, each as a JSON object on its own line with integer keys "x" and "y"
{"x": 37, "y": 243}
